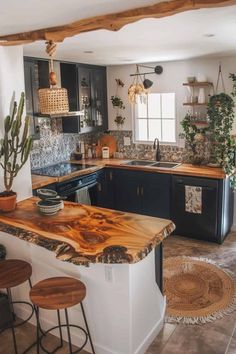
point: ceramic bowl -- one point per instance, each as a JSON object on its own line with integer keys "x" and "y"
{"x": 47, "y": 207}
{"x": 45, "y": 193}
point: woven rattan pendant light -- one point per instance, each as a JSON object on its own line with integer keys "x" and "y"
{"x": 53, "y": 100}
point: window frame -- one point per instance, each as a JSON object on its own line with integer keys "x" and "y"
{"x": 135, "y": 118}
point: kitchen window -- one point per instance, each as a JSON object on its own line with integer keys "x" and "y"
{"x": 155, "y": 117}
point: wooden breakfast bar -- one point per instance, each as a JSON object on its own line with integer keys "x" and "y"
{"x": 110, "y": 251}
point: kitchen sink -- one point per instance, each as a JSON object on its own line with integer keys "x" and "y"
{"x": 166, "y": 164}
{"x": 152, "y": 164}
{"x": 139, "y": 163}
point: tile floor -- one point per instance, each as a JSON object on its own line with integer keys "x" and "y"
{"x": 218, "y": 337}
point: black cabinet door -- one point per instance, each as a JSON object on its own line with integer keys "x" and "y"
{"x": 99, "y": 98}
{"x": 31, "y": 98}
{"x": 85, "y": 98}
{"x": 106, "y": 189}
{"x": 203, "y": 224}
{"x": 155, "y": 192}
{"x": 70, "y": 82}
{"x": 127, "y": 191}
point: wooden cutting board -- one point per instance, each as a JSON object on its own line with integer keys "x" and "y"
{"x": 110, "y": 141}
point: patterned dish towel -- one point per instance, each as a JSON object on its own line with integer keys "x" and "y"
{"x": 193, "y": 199}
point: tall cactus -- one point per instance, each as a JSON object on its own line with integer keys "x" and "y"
{"x": 15, "y": 145}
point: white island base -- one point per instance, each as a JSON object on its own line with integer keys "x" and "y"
{"x": 124, "y": 306}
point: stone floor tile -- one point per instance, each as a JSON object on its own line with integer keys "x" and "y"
{"x": 196, "y": 340}
{"x": 162, "y": 338}
{"x": 232, "y": 347}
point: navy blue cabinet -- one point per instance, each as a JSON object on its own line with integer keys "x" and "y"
{"x": 143, "y": 192}
{"x": 213, "y": 219}
{"x": 87, "y": 91}
{"x": 105, "y": 189}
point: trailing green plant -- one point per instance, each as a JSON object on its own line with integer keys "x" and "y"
{"x": 220, "y": 111}
{"x": 233, "y": 77}
{"x": 15, "y": 146}
{"x": 3, "y": 252}
{"x": 117, "y": 102}
{"x": 193, "y": 137}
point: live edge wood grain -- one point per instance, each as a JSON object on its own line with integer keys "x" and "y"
{"x": 113, "y": 21}
{"x": 84, "y": 234}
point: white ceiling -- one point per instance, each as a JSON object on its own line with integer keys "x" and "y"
{"x": 172, "y": 38}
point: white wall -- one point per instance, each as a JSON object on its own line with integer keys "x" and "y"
{"x": 12, "y": 81}
{"x": 171, "y": 80}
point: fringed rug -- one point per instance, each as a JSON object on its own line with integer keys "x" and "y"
{"x": 197, "y": 290}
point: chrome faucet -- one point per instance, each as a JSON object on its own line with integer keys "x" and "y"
{"x": 156, "y": 146}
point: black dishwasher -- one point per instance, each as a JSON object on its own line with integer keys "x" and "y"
{"x": 203, "y": 222}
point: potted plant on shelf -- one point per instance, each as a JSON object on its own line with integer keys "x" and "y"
{"x": 221, "y": 116}
{"x": 14, "y": 152}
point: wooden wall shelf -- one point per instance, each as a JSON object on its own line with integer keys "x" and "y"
{"x": 194, "y": 104}
{"x": 198, "y": 84}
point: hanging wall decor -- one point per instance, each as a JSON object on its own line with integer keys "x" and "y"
{"x": 141, "y": 85}
{"x": 52, "y": 100}
{"x": 118, "y": 104}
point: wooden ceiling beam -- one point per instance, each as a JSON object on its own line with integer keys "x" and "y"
{"x": 113, "y": 22}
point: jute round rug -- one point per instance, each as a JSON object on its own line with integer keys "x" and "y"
{"x": 197, "y": 290}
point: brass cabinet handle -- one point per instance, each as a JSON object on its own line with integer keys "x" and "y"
{"x": 138, "y": 191}
{"x": 99, "y": 187}
{"x": 111, "y": 175}
{"x": 142, "y": 191}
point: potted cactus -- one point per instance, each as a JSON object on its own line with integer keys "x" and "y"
{"x": 14, "y": 151}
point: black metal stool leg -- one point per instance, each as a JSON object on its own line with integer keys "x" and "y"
{"x": 60, "y": 330}
{"x": 68, "y": 331}
{"x": 14, "y": 338}
{"x": 87, "y": 328}
{"x": 38, "y": 326}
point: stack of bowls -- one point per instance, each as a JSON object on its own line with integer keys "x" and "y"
{"x": 50, "y": 202}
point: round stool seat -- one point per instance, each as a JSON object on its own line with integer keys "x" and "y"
{"x": 57, "y": 293}
{"x": 14, "y": 272}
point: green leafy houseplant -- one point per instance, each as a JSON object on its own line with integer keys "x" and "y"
{"x": 194, "y": 138}
{"x": 221, "y": 116}
{"x": 233, "y": 77}
{"x": 14, "y": 151}
{"x": 118, "y": 104}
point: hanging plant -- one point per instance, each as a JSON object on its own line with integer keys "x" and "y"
{"x": 119, "y": 120}
{"x": 233, "y": 77}
{"x": 195, "y": 137}
{"x": 221, "y": 116}
{"x": 118, "y": 104}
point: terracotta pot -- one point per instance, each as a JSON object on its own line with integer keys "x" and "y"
{"x": 8, "y": 203}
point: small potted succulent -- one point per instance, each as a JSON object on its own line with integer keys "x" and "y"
{"x": 15, "y": 148}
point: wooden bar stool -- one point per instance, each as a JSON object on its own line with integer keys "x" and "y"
{"x": 14, "y": 272}
{"x": 59, "y": 293}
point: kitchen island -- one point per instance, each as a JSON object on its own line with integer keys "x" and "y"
{"x": 125, "y": 307}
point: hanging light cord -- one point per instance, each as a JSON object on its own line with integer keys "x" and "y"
{"x": 50, "y": 50}
{"x": 220, "y": 77}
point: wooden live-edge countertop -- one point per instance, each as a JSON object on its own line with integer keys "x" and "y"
{"x": 183, "y": 169}
{"x": 83, "y": 234}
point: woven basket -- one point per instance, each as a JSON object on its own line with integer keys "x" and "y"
{"x": 53, "y": 100}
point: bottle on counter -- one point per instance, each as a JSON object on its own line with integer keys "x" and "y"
{"x": 89, "y": 152}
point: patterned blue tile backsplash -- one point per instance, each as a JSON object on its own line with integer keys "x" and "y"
{"x": 54, "y": 146}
